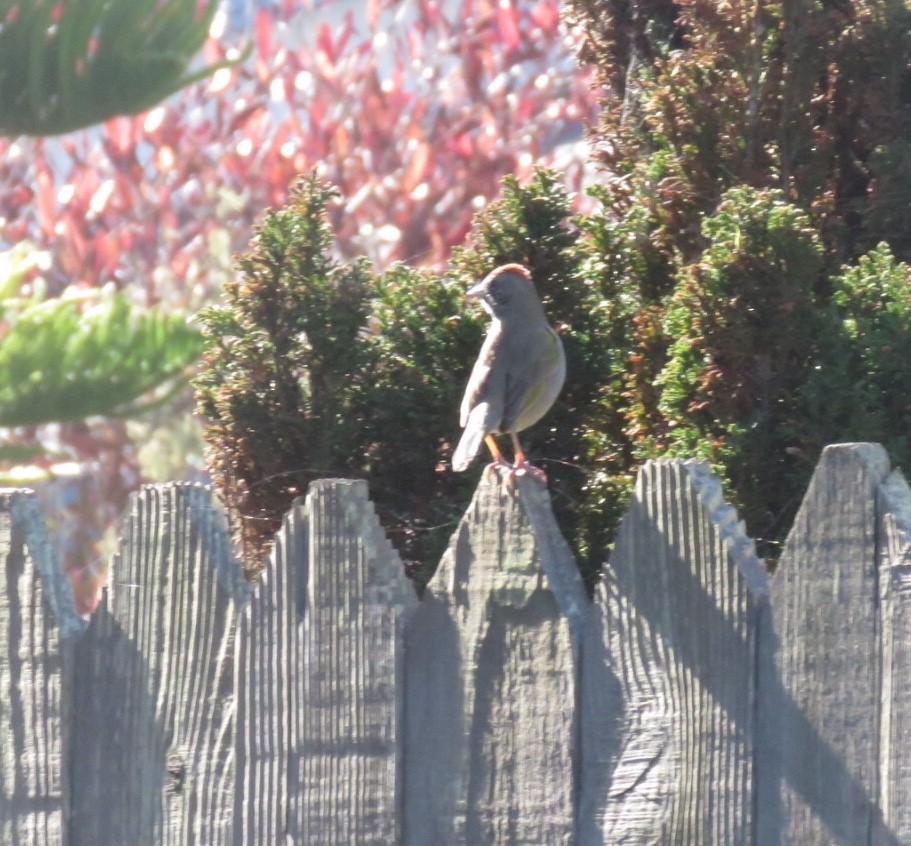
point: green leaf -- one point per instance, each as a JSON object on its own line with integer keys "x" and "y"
{"x": 85, "y": 61}
{"x": 75, "y": 357}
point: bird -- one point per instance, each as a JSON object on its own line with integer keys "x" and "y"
{"x": 519, "y": 373}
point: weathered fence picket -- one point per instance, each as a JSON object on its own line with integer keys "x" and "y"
{"x": 153, "y": 685}
{"x": 894, "y": 573}
{"x": 36, "y": 611}
{"x": 819, "y": 686}
{"x": 321, "y": 678}
{"x": 695, "y": 701}
{"x": 669, "y": 669}
{"x": 491, "y": 679}
{"x": 820, "y": 677}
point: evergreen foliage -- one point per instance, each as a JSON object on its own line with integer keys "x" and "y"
{"x": 754, "y": 154}
{"x": 740, "y": 295}
{"x": 741, "y": 325}
{"x": 316, "y": 368}
{"x": 282, "y": 357}
{"x": 859, "y": 389}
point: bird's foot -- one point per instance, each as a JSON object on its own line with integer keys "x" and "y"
{"x": 494, "y": 468}
{"x": 511, "y": 473}
{"x": 523, "y": 468}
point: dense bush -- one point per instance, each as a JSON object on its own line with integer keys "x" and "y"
{"x": 753, "y": 154}
{"x": 809, "y": 98}
{"x": 721, "y": 302}
{"x": 860, "y": 388}
{"x": 317, "y": 368}
{"x": 276, "y": 383}
{"x": 741, "y": 325}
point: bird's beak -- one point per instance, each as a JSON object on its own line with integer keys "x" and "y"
{"x": 476, "y": 291}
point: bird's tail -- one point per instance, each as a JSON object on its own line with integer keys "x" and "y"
{"x": 469, "y": 443}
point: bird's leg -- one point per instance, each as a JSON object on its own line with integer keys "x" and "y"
{"x": 498, "y": 460}
{"x": 521, "y": 466}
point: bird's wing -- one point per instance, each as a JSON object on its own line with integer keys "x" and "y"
{"x": 531, "y": 374}
{"x": 482, "y": 406}
{"x": 486, "y": 381}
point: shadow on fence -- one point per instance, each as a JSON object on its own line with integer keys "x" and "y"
{"x": 695, "y": 700}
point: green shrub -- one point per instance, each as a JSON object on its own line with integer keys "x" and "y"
{"x": 282, "y": 355}
{"x": 314, "y": 368}
{"x": 743, "y": 330}
{"x": 420, "y": 345}
{"x": 860, "y": 388}
{"x": 750, "y": 150}
{"x": 719, "y": 303}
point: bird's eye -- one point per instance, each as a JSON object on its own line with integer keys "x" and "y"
{"x": 499, "y": 293}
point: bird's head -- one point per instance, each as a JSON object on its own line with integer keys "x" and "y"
{"x": 508, "y": 293}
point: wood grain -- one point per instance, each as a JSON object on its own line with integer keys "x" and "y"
{"x": 894, "y": 576}
{"x": 696, "y": 701}
{"x": 668, "y": 671}
{"x": 153, "y": 710}
{"x": 819, "y": 683}
{"x": 491, "y": 678}
{"x": 37, "y": 618}
{"x": 322, "y": 692}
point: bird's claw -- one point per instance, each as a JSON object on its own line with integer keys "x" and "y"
{"x": 523, "y": 468}
{"x": 493, "y": 468}
{"x": 511, "y": 473}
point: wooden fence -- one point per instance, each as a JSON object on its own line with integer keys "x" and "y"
{"x": 695, "y": 701}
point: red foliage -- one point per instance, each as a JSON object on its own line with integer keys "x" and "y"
{"x": 415, "y": 124}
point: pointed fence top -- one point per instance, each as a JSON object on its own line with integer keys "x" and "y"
{"x": 740, "y": 546}
{"x": 25, "y": 511}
